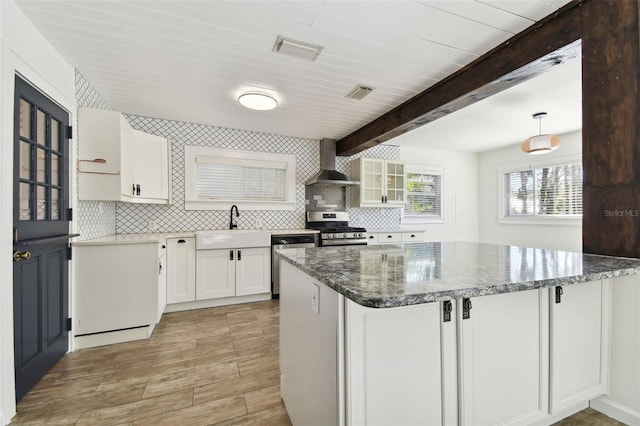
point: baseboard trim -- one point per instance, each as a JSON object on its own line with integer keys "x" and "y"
{"x": 212, "y": 303}
{"x": 111, "y": 337}
{"x": 615, "y": 410}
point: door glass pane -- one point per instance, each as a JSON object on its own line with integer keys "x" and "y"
{"x": 41, "y": 213}
{"x": 42, "y": 127}
{"x": 25, "y": 201}
{"x": 55, "y": 168}
{"x": 25, "y": 160}
{"x": 41, "y": 165}
{"x": 55, "y": 204}
{"x": 55, "y": 135}
{"x": 25, "y": 119}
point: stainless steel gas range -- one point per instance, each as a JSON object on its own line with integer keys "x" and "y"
{"x": 335, "y": 230}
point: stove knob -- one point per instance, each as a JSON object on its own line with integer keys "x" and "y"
{"x": 359, "y": 235}
{"x": 329, "y": 235}
{"x": 345, "y": 235}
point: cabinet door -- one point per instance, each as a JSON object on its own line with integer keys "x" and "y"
{"x": 252, "y": 271}
{"x": 181, "y": 270}
{"x": 150, "y": 165}
{"x": 504, "y": 359}
{"x": 215, "y": 273}
{"x": 394, "y": 364}
{"x": 372, "y": 181}
{"x": 578, "y": 343}
{"x": 395, "y": 183}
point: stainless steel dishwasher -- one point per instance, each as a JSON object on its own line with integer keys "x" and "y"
{"x": 283, "y": 241}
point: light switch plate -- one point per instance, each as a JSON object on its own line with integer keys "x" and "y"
{"x": 315, "y": 299}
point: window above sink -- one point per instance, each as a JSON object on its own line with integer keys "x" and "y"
{"x": 217, "y": 178}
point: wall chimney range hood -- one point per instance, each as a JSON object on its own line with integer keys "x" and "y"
{"x": 328, "y": 175}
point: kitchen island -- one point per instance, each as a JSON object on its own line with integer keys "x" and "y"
{"x": 444, "y": 333}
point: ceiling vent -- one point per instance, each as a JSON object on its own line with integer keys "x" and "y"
{"x": 297, "y": 49}
{"x": 359, "y": 92}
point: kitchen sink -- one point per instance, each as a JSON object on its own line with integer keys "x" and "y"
{"x": 236, "y": 238}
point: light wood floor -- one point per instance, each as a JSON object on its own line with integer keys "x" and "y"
{"x": 209, "y": 366}
{"x": 201, "y": 367}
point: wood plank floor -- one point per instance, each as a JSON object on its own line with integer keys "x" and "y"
{"x": 215, "y": 366}
{"x": 203, "y": 367}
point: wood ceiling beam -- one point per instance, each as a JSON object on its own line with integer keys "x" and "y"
{"x": 549, "y": 42}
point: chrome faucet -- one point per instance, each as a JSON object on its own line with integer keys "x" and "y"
{"x": 231, "y": 224}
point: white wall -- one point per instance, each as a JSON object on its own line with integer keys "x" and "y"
{"x": 460, "y": 193}
{"x": 25, "y": 51}
{"x": 558, "y": 237}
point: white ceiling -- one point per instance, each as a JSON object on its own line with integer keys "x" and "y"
{"x": 189, "y": 60}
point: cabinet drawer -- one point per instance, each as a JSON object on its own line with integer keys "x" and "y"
{"x": 413, "y": 237}
{"x": 390, "y": 238}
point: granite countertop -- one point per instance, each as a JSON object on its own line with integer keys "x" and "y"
{"x": 393, "y": 275}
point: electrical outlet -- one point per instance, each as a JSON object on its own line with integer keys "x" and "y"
{"x": 258, "y": 223}
{"x": 152, "y": 225}
{"x": 315, "y": 299}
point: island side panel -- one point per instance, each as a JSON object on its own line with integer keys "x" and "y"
{"x": 309, "y": 348}
{"x": 623, "y": 399}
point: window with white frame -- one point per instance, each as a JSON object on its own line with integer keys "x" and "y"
{"x": 216, "y": 178}
{"x": 545, "y": 191}
{"x": 424, "y": 195}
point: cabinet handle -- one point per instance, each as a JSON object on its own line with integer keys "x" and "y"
{"x": 371, "y": 237}
{"x": 559, "y": 292}
{"x": 230, "y": 254}
{"x": 385, "y": 199}
{"x": 466, "y": 308}
{"x": 138, "y": 189}
{"x": 181, "y": 241}
{"x": 389, "y": 236}
{"x": 447, "y": 307}
{"x": 412, "y": 236}
{"x": 133, "y": 189}
{"x": 159, "y": 268}
{"x": 239, "y": 255}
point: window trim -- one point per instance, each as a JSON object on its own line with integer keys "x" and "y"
{"x": 562, "y": 220}
{"x": 191, "y": 202}
{"x": 424, "y": 169}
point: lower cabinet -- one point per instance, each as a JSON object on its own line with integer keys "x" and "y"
{"x": 504, "y": 358}
{"x": 515, "y": 358}
{"x": 181, "y": 270}
{"x": 579, "y": 343}
{"x": 232, "y": 272}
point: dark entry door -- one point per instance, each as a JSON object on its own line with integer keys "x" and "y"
{"x": 41, "y": 235}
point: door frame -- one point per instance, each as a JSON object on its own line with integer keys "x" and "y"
{"x": 50, "y": 83}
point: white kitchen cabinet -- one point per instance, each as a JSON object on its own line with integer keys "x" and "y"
{"x": 395, "y": 237}
{"x": 118, "y": 163}
{"x": 396, "y": 375}
{"x": 504, "y": 359}
{"x": 232, "y": 272}
{"x": 181, "y": 270}
{"x": 579, "y": 355}
{"x": 117, "y": 287}
{"x": 382, "y": 183}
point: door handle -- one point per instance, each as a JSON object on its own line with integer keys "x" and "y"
{"x": 21, "y": 255}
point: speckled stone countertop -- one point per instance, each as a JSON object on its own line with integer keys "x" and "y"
{"x": 393, "y": 275}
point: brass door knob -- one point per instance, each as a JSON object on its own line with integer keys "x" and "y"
{"x": 21, "y": 255}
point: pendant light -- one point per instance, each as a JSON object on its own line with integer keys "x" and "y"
{"x": 540, "y": 144}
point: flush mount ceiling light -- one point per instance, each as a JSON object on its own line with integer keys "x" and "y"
{"x": 258, "y": 100}
{"x": 540, "y": 144}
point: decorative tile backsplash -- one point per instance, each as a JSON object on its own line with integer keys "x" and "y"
{"x": 103, "y": 218}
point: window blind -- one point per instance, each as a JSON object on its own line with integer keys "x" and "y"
{"x": 546, "y": 191}
{"x": 424, "y": 195}
{"x": 228, "y": 180}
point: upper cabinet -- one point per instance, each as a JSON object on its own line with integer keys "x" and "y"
{"x": 118, "y": 163}
{"x": 382, "y": 183}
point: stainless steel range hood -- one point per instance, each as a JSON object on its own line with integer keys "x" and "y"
{"x": 328, "y": 175}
